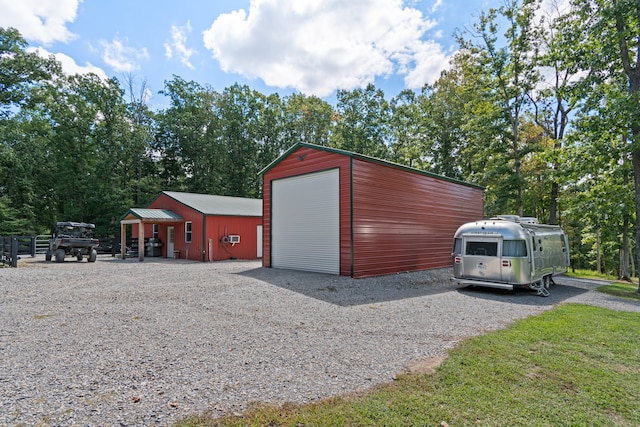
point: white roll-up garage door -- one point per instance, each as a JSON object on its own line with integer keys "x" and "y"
{"x": 305, "y": 222}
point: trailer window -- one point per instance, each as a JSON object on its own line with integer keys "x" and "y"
{"x": 514, "y": 248}
{"x": 457, "y": 246}
{"x": 482, "y": 248}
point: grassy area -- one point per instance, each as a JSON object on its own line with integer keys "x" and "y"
{"x": 574, "y": 365}
{"x": 590, "y": 274}
{"x": 621, "y": 289}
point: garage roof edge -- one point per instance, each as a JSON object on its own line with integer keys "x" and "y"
{"x": 146, "y": 214}
{"x": 364, "y": 158}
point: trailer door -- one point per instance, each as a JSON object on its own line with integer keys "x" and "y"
{"x": 482, "y": 258}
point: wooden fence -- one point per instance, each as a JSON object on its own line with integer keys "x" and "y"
{"x": 11, "y": 247}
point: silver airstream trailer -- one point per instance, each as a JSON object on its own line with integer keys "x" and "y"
{"x": 509, "y": 252}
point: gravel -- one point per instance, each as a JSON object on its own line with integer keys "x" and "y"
{"x": 125, "y": 343}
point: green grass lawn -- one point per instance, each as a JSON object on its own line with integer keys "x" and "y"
{"x": 574, "y": 365}
{"x": 590, "y": 274}
{"x": 621, "y": 289}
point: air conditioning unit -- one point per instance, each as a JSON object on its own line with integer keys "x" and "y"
{"x": 231, "y": 238}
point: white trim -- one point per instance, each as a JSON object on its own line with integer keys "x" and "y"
{"x": 189, "y": 233}
{"x": 131, "y": 221}
{"x": 259, "y": 241}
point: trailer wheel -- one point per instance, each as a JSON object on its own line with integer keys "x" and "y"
{"x": 60, "y": 255}
{"x": 92, "y": 255}
{"x": 546, "y": 281}
{"x": 79, "y": 257}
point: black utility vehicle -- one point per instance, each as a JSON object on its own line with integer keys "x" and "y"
{"x": 72, "y": 238}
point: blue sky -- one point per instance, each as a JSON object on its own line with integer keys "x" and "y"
{"x": 309, "y": 46}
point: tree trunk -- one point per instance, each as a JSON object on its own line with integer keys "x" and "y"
{"x": 635, "y": 159}
{"x": 632, "y": 71}
{"x": 553, "y": 205}
{"x": 624, "y": 254}
{"x": 598, "y": 257}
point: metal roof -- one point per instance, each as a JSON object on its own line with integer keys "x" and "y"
{"x": 209, "y": 204}
{"x": 364, "y": 158}
{"x": 159, "y": 215}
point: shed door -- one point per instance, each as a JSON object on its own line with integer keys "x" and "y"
{"x": 305, "y": 227}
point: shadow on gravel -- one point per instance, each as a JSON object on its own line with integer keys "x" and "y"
{"x": 345, "y": 291}
{"x": 558, "y": 294}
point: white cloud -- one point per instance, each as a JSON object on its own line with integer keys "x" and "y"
{"x": 121, "y": 57}
{"x": 40, "y": 21}
{"x": 69, "y": 65}
{"x": 554, "y": 8}
{"x": 178, "y": 45}
{"x": 319, "y": 46}
{"x": 429, "y": 61}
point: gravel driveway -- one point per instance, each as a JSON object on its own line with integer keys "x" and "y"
{"x": 119, "y": 342}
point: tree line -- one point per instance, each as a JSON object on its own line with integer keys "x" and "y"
{"x": 542, "y": 109}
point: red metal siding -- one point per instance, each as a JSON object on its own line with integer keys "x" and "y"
{"x": 302, "y": 161}
{"x": 405, "y": 221}
{"x": 148, "y": 231}
{"x": 195, "y": 248}
{"x": 198, "y": 248}
{"x": 245, "y": 227}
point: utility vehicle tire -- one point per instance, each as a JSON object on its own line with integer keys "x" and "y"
{"x": 47, "y": 256}
{"x": 60, "y": 255}
{"x": 92, "y": 255}
{"x": 79, "y": 257}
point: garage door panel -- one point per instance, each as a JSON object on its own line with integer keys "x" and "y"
{"x": 305, "y": 222}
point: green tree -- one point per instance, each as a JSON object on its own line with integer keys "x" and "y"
{"x": 477, "y": 123}
{"x": 20, "y": 71}
{"x": 556, "y": 98}
{"x": 509, "y": 59}
{"x": 251, "y": 131}
{"x": 407, "y": 127}
{"x": 138, "y": 166}
{"x": 192, "y": 155}
{"x": 24, "y": 205}
{"x": 363, "y": 122}
{"x": 307, "y": 119}
{"x": 607, "y": 33}
{"x": 89, "y": 149}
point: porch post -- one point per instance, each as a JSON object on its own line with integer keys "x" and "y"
{"x": 123, "y": 240}
{"x": 140, "y": 241}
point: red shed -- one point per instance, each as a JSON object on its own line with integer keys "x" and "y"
{"x": 333, "y": 211}
{"x": 200, "y": 227}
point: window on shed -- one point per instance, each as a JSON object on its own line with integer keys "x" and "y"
{"x": 514, "y": 248}
{"x": 155, "y": 231}
{"x": 482, "y": 248}
{"x": 187, "y": 231}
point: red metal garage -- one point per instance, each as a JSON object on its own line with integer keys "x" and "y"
{"x": 337, "y": 212}
{"x": 201, "y": 227}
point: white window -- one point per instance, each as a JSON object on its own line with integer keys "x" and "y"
{"x": 155, "y": 231}
{"x": 187, "y": 232}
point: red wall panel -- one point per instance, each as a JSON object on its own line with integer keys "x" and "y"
{"x": 245, "y": 227}
{"x": 405, "y": 221}
{"x": 195, "y": 248}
